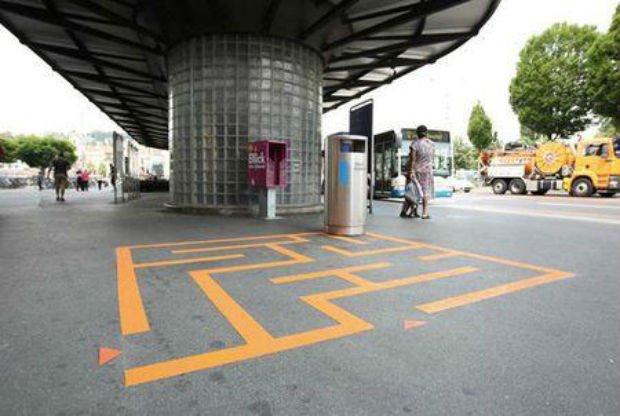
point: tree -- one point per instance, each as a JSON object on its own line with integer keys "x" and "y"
{"x": 480, "y": 129}
{"x": 465, "y": 155}
{"x": 8, "y": 146}
{"x": 38, "y": 152}
{"x": 603, "y": 71}
{"x": 549, "y": 92}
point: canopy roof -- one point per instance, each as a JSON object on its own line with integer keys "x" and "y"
{"x": 113, "y": 51}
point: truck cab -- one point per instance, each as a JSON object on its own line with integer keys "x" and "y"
{"x": 597, "y": 168}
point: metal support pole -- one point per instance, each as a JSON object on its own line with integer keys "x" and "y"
{"x": 267, "y": 203}
{"x": 115, "y": 174}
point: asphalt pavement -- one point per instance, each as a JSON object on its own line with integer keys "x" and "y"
{"x": 498, "y": 305}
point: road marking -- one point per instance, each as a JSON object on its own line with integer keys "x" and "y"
{"x": 133, "y": 318}
{"x": 347, "y": 253}
{"x": 164, "y": 263}
{"x": 412, "y": 323}
{"x": 297, "y": 257}
{"x": 242, "y": 321}
{"x": 350, "y": 240}
{"x": 539, "y": 214}
{"x": 258, "y": 341}
{"x": 477, "y": 296}
{"x": 557, "y": 204}
{"x": 327, "y": 273}
{"x": 107, "y": 354}
{"x": 232, "y": 247}
{"x": 439, "y": 256}
{"x": 132, "y": 315}
{"x": 408, "y": 245}
{"x": 223, "y": 240}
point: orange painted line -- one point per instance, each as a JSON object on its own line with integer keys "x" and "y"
{"x": 290, "y": 253}
{"x": 243, "y": 322}
{"x": 131, "y": 311}
{"x": 233, "y": 247}
{"x": 171, "y": 368}
{"x": 222, "y": 240}
{"x": 187, "y": 261}
{"x": 346, "y": 239}
{"x": 392, "y": 239}
{"x": 479, "y": 295}
{"x": 246, "y": 267}
{"x": 300, "y": 238}
{"x": 498, "y": 260}
{"x": 348, "y": 324}
{"x": 356, "y": 280}
{"x": 335, "y": 312}
{"x": 328, "y": 273}
{"x": 296, "y": 258}
{"x": 260, "y": 342}
{"x": 427, "y": 277}
{"x": 347, "y": 253}
{"x": 175, "y": 367}
{"x": 439, "y": 256}
{"x": 412, "y": 323}
{"x": 513, "y": 263}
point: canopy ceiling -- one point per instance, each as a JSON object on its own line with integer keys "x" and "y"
{"x": 113, "y": 51}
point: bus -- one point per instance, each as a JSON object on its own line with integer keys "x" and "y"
{"x": 391, "y": 150}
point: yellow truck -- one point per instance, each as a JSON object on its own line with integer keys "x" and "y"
{"x": 591, "y": 166}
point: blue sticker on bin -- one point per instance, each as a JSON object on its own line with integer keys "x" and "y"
{"x": 343, "y": 173}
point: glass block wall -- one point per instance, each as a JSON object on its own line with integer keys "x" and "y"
{"x": 228, "y": 90}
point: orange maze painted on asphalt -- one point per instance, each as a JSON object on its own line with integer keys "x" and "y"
{"x": 258, "y": 341}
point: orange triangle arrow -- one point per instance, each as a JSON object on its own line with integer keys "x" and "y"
{"x": 107, "y": 354}
{"x": 411, "y": 323}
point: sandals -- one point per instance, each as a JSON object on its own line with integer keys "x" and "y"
{"x": 426, "y": 217}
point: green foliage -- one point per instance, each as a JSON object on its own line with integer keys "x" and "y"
{"x": 465, "y": 155}
{"x": 604, "y": 72}
{"x": 9, "y": 148}
{"x": 38, "y": 152}
{"x": 549, "y": 91}
{"x": 480, "y": 129}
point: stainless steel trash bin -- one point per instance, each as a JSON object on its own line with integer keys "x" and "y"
{"x": 346, "y": 183}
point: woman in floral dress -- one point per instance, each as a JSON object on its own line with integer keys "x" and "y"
{"x": 420, "y": 169}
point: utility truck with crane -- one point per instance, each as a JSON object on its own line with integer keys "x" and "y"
{"x": 590, "y": 166}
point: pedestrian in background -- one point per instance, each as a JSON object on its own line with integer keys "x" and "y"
{"x": 420, "y": 167}
{"x": 78, "y": 180}
{"x": 40, "y": 179}
{"x": 85, "y": 179}
{"x": 61, "y": 167}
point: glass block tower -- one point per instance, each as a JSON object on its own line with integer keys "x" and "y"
{"x": 227, "y": 90}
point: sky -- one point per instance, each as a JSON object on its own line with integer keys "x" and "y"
{"x": 34, "y": 99}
